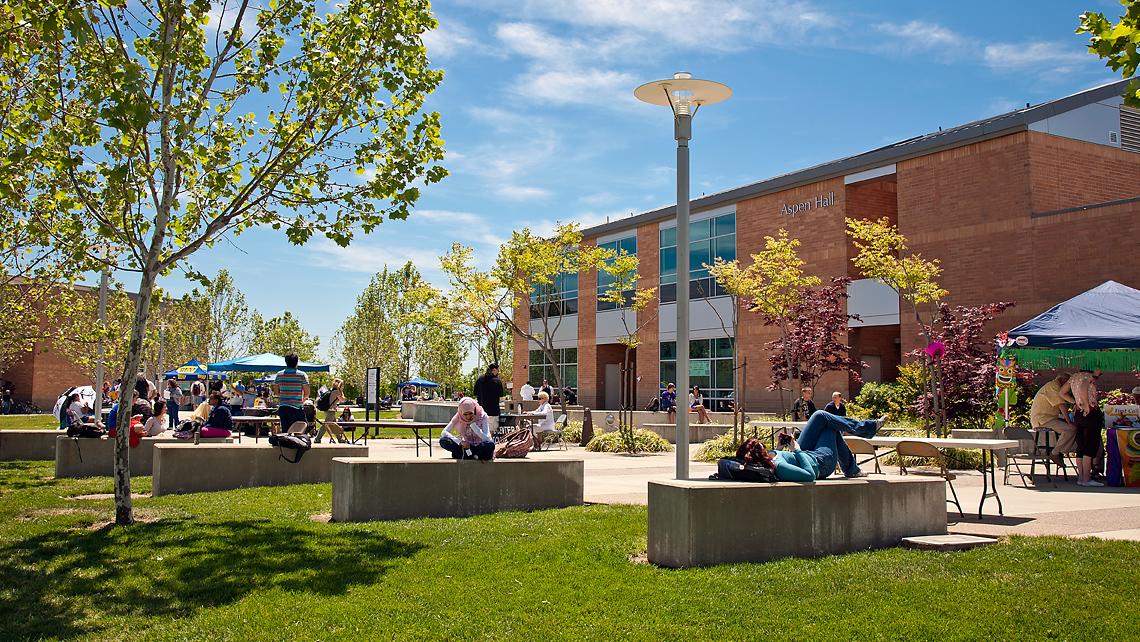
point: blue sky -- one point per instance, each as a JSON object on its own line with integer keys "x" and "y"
{"x": 541, "y": 124}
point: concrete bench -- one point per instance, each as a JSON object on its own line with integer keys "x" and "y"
{"x": 704, "y": 523}
{"x": 96, "y": 457}
{"x": 27, "y": 445}
{"x": 697, "y": 432}
{"x": 186, "y": 468}
{"x": 369, "y": 489}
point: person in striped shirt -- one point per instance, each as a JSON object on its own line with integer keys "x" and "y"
{"x": 292, "y": 388}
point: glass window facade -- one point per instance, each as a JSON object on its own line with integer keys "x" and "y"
{"x": 560, "y": 298}
{"x": 539, "y": 368}
{"x": 709, "y": 239}
{"x": 627, "y": 245}
{"x": 710, "y": 367}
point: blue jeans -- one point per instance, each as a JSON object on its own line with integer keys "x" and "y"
{"x": 289, "y": 415}
{"x": 172, "y": 413}
{"x": 484, "y": 451}
{"x": 822, "y": 438}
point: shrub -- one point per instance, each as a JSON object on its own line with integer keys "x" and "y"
{"x": 644, "y": 441}
{"x": 573, "y": 432}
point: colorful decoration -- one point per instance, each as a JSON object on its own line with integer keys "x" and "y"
{"x": 1005, "y": 376}
{"x": 1128, "y": 441}
{"x": 1005, "y": 380}
{"x": 935, "y": 350}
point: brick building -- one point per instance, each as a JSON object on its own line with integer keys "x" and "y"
{"x": 1033, "y": 206}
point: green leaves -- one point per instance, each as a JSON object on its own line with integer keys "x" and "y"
{"x": 1118, "y": 43}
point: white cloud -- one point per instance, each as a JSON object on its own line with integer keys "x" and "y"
{"x": 451, "y": 38}
{"x": 369, "y": 256}
{"x": 521, "y": 192}
{"x": 447, "y": 216}
{"x": 917, "y": 35}
{"x": 594, "y": 87}
{"x": 1038, "y": 56}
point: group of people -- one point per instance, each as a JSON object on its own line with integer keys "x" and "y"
{"x": 529, "y": 393}
{"x": 1067, "y": 405}
{"x": 802, "y": 409}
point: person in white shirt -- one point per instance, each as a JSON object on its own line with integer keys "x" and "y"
{"x": 546, "y": 423}
{"x": 467, "y": 435}
{"x": 157, "y": 423}
{"x": 527, "y": 392}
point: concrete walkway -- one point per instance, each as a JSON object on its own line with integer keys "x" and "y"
{"x": 1067, "y": 510}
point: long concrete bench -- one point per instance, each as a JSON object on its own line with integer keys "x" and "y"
{"x": 27, "y": 445}
{"x": 697, "y": 432}
{"x": 704, "y": 523}
{"x": 369, "y": 489}
{"x": 186, "y": 468}
{"x": 96, "y": 457}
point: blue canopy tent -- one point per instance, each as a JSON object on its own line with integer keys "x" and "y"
{"x": 1099, "y": 328}
{"x": 193, "y": 370}
{"x": 419, "y": 383}
{"x": 265, "y": 362}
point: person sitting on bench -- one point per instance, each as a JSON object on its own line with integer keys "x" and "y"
{"x": 220, "y": 422}
{"x": 821, "y": 447}
{"x": 467, "y": 435}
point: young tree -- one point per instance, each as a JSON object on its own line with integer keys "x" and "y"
{"x": 229, "y": 327}
{"x": 135, "y": 120}
{"x": 738, "y": 283}
{"x": 440, "y": 353}
{"x": 1117, "y": 42}
{"x": 282, "y": 335}
{"x": 882, "y": 256}
{"x": 813, "y": 344}
{"x": 632, "y": 302}
{"x": 385, "y": 329}
{"x": 778, "y": 283}
{"x": 967, "y": 363}
{"x": 527, "y": 275}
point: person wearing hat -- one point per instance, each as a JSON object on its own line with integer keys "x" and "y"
{"x": 1136, "y": 395}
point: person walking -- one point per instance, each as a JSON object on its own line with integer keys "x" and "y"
{"x": 488, "y": 391}
{"x": 173, "y": 397}
{"x": 328, "y": 406}
{"x": 804, "y": 407}
{"x": 292, "y": 389}
{"x": 197, "y": 394}
{"x": 527, "y": 391}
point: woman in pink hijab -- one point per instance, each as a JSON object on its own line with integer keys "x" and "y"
{"x": 467, "y": 435}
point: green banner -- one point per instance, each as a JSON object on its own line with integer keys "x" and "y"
{"x": 1053, "y": 358}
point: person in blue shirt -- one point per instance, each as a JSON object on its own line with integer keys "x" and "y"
{"x": 669, "y": 402}
{"x": 818, "y": 450}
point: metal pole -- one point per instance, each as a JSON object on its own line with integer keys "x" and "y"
{"x": 104, "y": 282}
{"x": 682, "y": 131}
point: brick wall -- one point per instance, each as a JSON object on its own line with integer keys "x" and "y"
{"x": 588, "y": 393}
{"x": 649, "y": 352}
{"x": 823, "y": 247}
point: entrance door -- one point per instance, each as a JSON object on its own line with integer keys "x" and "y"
{"x": 613, "y": 386}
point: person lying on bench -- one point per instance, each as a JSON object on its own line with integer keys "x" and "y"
{"x": 821, "y": 447}
{"x": 467, "y": 435}
{"x": 220, "y": 422}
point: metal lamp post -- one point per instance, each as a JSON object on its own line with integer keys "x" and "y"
{"x": 684, "y": 95}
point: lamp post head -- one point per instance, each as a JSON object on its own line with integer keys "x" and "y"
{"x": 682, "y": 93}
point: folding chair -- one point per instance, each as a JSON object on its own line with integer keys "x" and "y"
{"x": 860, "y": 446}
{"x": 552, "y": 437}
{"x": 1011, "y": 457}
{"x": 922, "y": 449}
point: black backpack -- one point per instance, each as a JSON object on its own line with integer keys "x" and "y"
{"x": 736, "y": 470}
{"x": 299, "y": 444}
{"x": 324, "y": 402}
{"x": 654, "y": 405}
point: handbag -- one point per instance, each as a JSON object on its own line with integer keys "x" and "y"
{"x": 514, "y": 444}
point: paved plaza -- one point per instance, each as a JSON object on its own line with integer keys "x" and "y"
{"x": 1067, "y": 510}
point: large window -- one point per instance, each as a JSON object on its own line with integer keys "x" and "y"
{"x": 540, "y": 368}
{"x": 560, "y": 298}
{"x": 708, "y": 239}
{"x": 710, "y": 367}
{"x": 627, "y": 245}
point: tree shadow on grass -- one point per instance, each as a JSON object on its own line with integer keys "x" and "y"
{"x": 173, "y": 568}
{"x": 20, "y": 475}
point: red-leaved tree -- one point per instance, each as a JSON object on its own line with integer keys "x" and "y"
{"x": 813, "y": 345}
{"x": 965, "y": 368}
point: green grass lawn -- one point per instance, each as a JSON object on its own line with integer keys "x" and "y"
{"x": 29, "y": 422}
{"x": 254, "y": 565}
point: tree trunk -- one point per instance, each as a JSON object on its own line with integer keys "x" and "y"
{"x": 124, "y": 512}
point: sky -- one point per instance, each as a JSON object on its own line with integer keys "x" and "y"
{"x": 541, "y": 125}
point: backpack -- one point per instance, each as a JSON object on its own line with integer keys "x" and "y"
{"x": 654, "y": 405}
{"x": 297, "y": 443}
{"x": 86, "y": 431}
{"x": 734, "y": 469}
{"x": 324, "y": 402}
